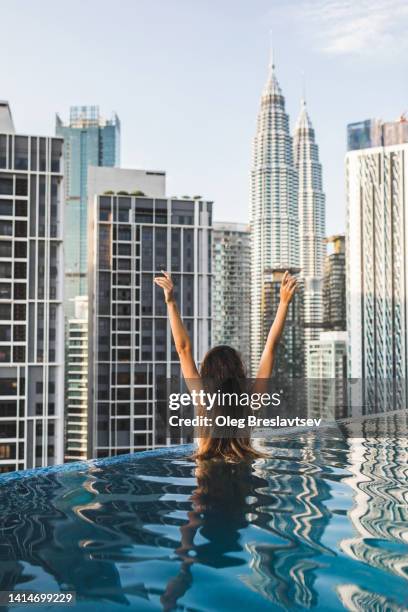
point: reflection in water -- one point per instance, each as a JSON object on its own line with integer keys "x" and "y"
{"x": 358, "y": 600}
{"x": 285, "y": 572}
{"x": 321, "y": 523}
{"x": 380, "y": 512}
{"x": 220, "y": 505}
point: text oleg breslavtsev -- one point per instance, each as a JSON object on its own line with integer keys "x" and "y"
{"x": 249, "y": 421}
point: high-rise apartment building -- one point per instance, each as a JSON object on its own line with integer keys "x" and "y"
{"x": 231, "y": 287}
{"x": 131, "y": 353}
{"x": 76, "y": 417}
{"x": 100, "y": 180}
{"x": 377, "y": 273}
{"x": 326, "y": 375}
{"x": 31, "y": 294}
{"x": 274, "y": 206}
{"x": 311, "y": 205}
{"x": 334, "y": 284}
{"x": 89, "y": 140}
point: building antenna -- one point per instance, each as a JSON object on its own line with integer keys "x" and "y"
{"x": 303, "y": 87}
{"x": 271, "y": 50}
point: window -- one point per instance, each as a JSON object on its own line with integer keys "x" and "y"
{"x": 5, "y": 354}
{"x": 6, "y": 208}
{"x": 5, "y": 312}
{"x": 182, "y": 213}
{"x": 56, "y": 154}
{"x": 21, "y": 152}
{"x": 147, "y": 248}
{"x": 21, "y": 186}
{"x": 5, "y": 291}
{"x": 6, "y": 228}
{"x": 3, "y": 151}
{"x": 124, "y": 206}
{"x": 124, "y": 233}
{"x": 8, "y": 386}
{"x": 161, "y": 248}
{"x": 21, "y": 208}
{"x": 5, "y": 333}
{"x": 188, "y": 250}
{"x": 20, "y": 270}
{"x": 5, "y": 269}
{"x": 161, "y": 211}
{"x": 144, "y": 211}
{"x": 6, "y": 184}
{"x": 175, "y": 250}
{"x": 5, "y": 249}
{"x": 20, "y": 249}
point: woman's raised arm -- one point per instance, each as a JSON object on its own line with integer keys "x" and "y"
{"x": 180, "y": 336}
{"x": 287, "y": 291}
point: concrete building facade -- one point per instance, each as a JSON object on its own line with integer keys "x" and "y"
{"x": 131, "y": 352}
{"x": 31, "y": 295}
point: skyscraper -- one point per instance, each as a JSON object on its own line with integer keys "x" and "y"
{"x": 274, "y": 209}
{"x": 131, "y": 352}
{"x": 311, "y": 203}
{"x": 377, "y": 272}
{"x": 334, "y": 284}
{"x": 31, "y": 293}
{"x": 89, "y": 140}
{"x": 311, "y": 198}
{"x": 326, "y": 373}
{"x": 231, "y": 287}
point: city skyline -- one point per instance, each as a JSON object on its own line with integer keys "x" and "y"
{"x": 211, "y": 91}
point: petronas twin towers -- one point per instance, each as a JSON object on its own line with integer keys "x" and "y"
{"x": 287, "y": 210}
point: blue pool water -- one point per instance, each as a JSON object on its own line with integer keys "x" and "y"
{"x": 322, "y": 523}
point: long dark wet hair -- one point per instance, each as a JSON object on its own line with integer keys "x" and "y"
{"x": 222, "y": 370}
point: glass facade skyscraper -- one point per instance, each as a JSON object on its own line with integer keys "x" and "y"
{"x": 89, "y": 140}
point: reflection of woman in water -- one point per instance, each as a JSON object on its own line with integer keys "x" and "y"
{"x": 220, "y": 505}
{"x": 222, "y": 369}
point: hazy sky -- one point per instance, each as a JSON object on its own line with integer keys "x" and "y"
{"x": 185, "y": 78}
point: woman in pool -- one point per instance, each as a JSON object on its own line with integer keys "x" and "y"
{"x": 222, "y": 368}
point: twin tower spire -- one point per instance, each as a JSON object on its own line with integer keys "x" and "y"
{"x": 287, "y": 203}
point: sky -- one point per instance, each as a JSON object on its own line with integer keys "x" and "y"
{"x": 186, "y": 77}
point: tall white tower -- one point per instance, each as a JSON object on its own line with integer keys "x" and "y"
{"x": 274, "y": 210}
{"x": 311, "y": 202}
{"x": 377, "y": 264}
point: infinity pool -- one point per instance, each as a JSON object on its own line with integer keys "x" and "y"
{"x": 322, "y": 523}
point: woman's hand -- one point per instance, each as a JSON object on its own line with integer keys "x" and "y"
{"x": 288, "y": 288}
{"x": 166, "y": 284}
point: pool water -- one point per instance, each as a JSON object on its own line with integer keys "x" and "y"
{"x": 321, "y": 523}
